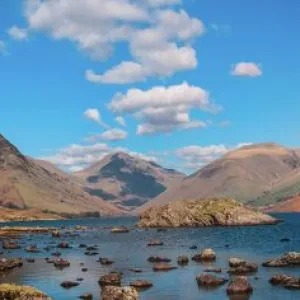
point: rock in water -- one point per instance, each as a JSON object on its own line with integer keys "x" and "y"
{"x": 209, "y": 280}
{"x": 119, "y": 293}
{"x": 239, "y": 285}
{"x": 288, "y": 282}
{"x": 199, "y": 213}
{"x": 21, "y": 292}
{"x": 290, "y": 259}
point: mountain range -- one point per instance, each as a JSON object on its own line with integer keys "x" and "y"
{"x": 263, "y": 175}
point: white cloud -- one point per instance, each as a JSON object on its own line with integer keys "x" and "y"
{"x": 113, "y": 134}
{"x": 249, "y": 69}
{"x": 94, "y": 115}
{"x": 120, "y": 120}
{"x": 163, "y": 109}
{"x": 194, "y": 157}
{"x": 156, "y": 50}
{"x": 18, "y": 33}
{"x": 76, "y": 157}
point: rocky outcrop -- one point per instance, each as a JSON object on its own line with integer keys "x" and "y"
{"x": 290, "y": 259}
{"x": 205, "y": 255}
{"x": 21, "y": 292}
{"x": 8, "y": 264}
{"x": 119, "y": 293}
{"x": 239, "y": 266}
{"x": 112, "y": 278}
{"x": 198, "y": 213}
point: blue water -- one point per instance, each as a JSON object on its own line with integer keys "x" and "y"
{"x": 256, "y": 244}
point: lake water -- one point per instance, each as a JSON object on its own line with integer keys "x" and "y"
{"x": 255, "y": 244}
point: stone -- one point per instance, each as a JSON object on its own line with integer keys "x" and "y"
{"x": 84, "y": 269}
{"x": 243, "y": 268}
{"x": 163, "y": 267}
{"x": 119, "y": 293}
{"x": 69, "y": 284}
{"x": 86, "y": 296}
{"x": 105, "y": 261}
{"x": 32, "y": 249}
{"x": 205, "y": 255}
{"x": 141, "y": 284}
{"x": 136, "y": 270}
{"x": 235, "y": 262}
{"x": 56, "y": 234}
{"x": 153, "y": 243}
{"x": 63, "y": 245}
{"x": 239, "y": 285}
{"x": 213, "y": 270}
{"x": 121, "y": 229}
{"x": 61, "y": 263}
{"x": 112, "y": 278}
{"x": 158, "y": 259}
{"x": 288, "y": 282}
{"x": 8, "y": 264}
{"x": 209, "y": 280}
{"x": 10, "y": 245}
{"x": 182, "y": 260}
{"x": 290, "y": 259}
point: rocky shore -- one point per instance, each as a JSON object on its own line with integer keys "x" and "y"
{"x": 203, "y": 213}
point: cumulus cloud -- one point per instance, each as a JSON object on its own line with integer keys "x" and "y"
{"x": 77, "y": 157}
{"x": 163, "y": 109}
{"x": 94, "y": 115}
{"x": 194, "y": 156}
{"x": 120, "y": 120}
{"x": 158, "y": 34}
{"x": 156, "y": 50}
{"x": 249, "y": 69}
{"x": 17, "y": 33}
{"x": 112, "y": 135}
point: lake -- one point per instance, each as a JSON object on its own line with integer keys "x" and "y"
{"x": 129, "y": 250}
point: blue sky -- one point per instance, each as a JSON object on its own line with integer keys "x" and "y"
{"x": 228, "y": 73}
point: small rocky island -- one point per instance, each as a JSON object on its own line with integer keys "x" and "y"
{"x": 202, "y": 213}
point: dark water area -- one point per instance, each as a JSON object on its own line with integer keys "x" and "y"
{"x": 129, "y": 250}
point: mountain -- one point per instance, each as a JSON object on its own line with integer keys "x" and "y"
{"x": 28, "y": 183}
{"x": 248, "y": 174}
{"x": 127, "y": 181}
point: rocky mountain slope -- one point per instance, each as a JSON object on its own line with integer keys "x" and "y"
{"x": 127, "y": 181}
{"x": 25, "y": 183}
{"x": 259, "y": 174}
{"x": 202, "y": 213}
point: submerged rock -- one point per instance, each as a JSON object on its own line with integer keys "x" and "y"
{"x": 105, "y": 261}
{"x": 61, "y": 263}
{"x": 86, "y": 296}
{"x": 290, "y": 259}
{"x": 136, "y": 270}
{"x": 119, "y": 293}
{"x": 209, "y": 280}
{"x": 112, "y": 278}
{"x": 239, "y": 285}
{"x": 213, "y": 270}
{"x": 63, "y": 245}
{"x": 205, "y": 255}
{"x": 197, "y": 213}
{"x": 21, "y": 292}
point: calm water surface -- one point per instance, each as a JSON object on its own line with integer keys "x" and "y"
{"x": 255, "y": 244}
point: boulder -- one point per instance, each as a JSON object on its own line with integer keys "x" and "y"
{"x": 153, "y": 243}
{"x": 205, "y": 255}
{"x": 141, "y": 284}
{"x": 163, "y": 267}
{"x": 209, "y": 280}
{"x": 239, "y": 285}
{"x": 11, "y": 263}
{"x": 235, "y": 262}
{"x": 56, "y": 234}
{"x": 288, "y": 282}
{"x": 69, "y": 284}
{"x": 61, "y": 263}
{"x": 112, "y": 278}
{"x": 121, "y": 229}
{"x": 105, "y": 261}
{"x": 63, "y": 245}
{"x": 290, "y": 259}
{"x": 244, "y": 268}
{"x": 158, "y": 259}
{"x": 86, "y": 296}
{"x": 182, "y": 260}
{"x": 32, "y": 249}
{"x": 119, "y": 293}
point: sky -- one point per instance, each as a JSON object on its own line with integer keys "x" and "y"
{"x": 178, "y": 82}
